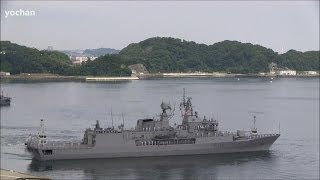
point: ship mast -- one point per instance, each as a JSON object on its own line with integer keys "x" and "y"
{"x": 186, "y": 105}
{"x": 279, "y": 127}
{"x": 184, "y": 97}
{"x": 112, "y": 119}
{"x": 122, "y": 121}
{"x": 254, "y": 129}
{"x": 41, "y": 131}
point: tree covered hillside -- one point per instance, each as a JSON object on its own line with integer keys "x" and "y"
{"x": 159, "y": 55}
{"x": 108, "y": 65}
{"x": 176, "y": 55}
{"x": 21, "y": 59}
{"x": 307, "y": 61}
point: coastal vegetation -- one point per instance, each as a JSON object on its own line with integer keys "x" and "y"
{"x": 159, "y": 55}
{"x": 18, "y": 59}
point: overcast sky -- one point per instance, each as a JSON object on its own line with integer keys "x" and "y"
{"x": 280, "y": 25}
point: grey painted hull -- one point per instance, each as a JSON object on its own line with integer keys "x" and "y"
{"x": 129, "y": 149}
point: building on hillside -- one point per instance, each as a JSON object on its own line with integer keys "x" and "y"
{"x": 92, "y": 58}
{"x": 77, "y": 60}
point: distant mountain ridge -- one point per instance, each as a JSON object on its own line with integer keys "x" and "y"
{"x": 91, "y": 52}
{"x": 101, "y": 51}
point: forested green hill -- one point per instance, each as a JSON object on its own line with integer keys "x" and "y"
{"x": 159, "y": 55}
{"x": 176, "y": 55}
{"x": 21, "y": 59}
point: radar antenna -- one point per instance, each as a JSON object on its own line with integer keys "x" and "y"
{"x": 164, "y": 115}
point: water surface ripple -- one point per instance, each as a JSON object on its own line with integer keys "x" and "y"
{"x": 70, "y": 107}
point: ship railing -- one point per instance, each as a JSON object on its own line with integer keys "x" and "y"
{"x": 262, "y": 135}
{"x": 214, "y": 134}
{"x": 107, "y": 131}
{"x": 153, "y": 129}
{"x": 226, "y": 133}
{"x": 59, "y": 145}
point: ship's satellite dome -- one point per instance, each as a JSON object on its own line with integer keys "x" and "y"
{"x": 165, "y": 106}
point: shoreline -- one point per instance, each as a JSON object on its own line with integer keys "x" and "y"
{"x": 11, "y": 174}
{"x": 51, "y": 77}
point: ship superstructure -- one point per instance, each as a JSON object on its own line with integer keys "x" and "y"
{"x": 152, "y": 137}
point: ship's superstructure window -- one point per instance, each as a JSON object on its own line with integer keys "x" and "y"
{"x": 47, "y": 152}
{"x": 165, "y": 142}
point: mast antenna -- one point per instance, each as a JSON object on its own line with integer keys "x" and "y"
{"x": 279, "y": 127}
{"x": 112, "y": 118}
{"x": 42, "y": 128}
{"x": 254, "y": 129}
{"x": 122, "y": 120}
{"x": 184, "y": 97}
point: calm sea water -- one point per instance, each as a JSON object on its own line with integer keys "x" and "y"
{"x": 70, "y": 107}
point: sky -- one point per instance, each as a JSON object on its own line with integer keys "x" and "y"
{"x": 66, "y": 25}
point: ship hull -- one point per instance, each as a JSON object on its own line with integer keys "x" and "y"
{"x": 204, "y": 146}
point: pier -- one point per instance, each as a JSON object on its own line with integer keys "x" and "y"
{"x": 111, "y": 78}
{"x": 10, "y": 174}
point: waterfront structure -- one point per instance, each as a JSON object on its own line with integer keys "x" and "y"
{"x": 312, "y": 73}
{"x": 2, "y": 73}
{"x": 153, "y": 137}
{"x": 13, "y": 175}
{"x": 287, "y": 72}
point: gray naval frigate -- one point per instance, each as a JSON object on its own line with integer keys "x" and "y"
{"x": 152, "y": 137}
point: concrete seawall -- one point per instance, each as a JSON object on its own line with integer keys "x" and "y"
{"x": 10, "y": 174}
{"x": 111, "y": 78}
{"x": 52, "y": 77}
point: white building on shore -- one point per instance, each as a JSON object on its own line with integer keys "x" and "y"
{"x": 4, "y": 73}
{"x": 287, "y": 72}
{"x": 310, "y": 72}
